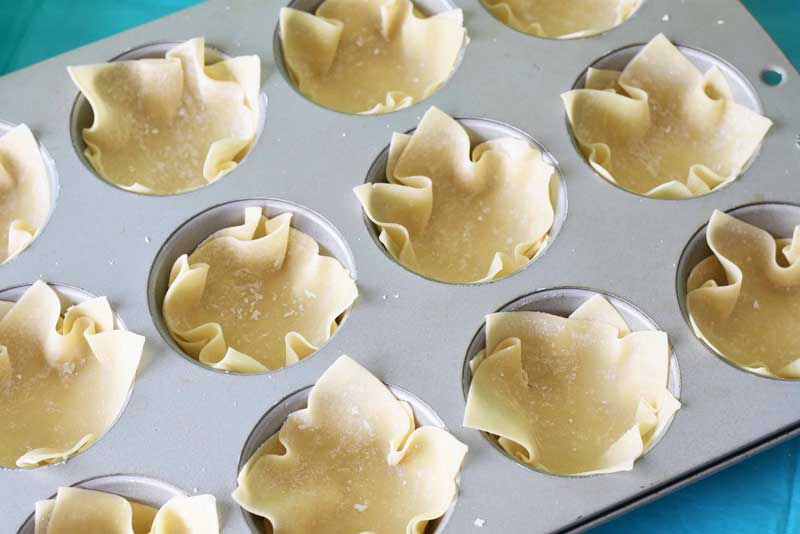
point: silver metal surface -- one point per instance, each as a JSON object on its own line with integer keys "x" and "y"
{"x": 186, "y": 425}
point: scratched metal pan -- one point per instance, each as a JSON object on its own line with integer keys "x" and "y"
{"x": 187, "y": 426}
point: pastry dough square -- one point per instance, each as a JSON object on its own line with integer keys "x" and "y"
{"x": 661, "y": 128}
{"x": 165, "y": 126}
{"x": 64, "y": 379}
{"x": 456, "y": 214}
{"x": 351, "y": 462}
{"x": 744, "y": 299}
{"x": 573, "y": 396}
{"x": 256, "y": 297}
{"x": 369, "y": 56}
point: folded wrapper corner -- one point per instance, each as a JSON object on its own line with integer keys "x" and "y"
{"x": 63, "y": 379}
{"x": 164, "y": 126}
{"x": 457, "y": 215}
{"x": 24, "y": 191}
{"x": 352, "y": 461}
{"x": 744, "y": 299}
{"x": 369, "y": 56}
{"x": 562, "y": 20}
{"x": 75, "y": 510}
{"x": 661, "y": 128}
{"x": 256, "y": 297}
{"x": 575, "y": 396}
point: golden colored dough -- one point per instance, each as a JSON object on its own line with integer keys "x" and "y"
{"x": 256, "y": 297}
{"x": 77, "y": 510}
{"x": 24, "y": 191}
{"x": 352, "y": 462}
{"x": 369, "y": 56}
{"x": 63, "y": 379}
{"x": 456, "y": 217}
{"x": 562, "y": 19}
{"x": 661, "y": 128}
{"x": 744, "y": 300}
{"x": 164, "y": 126}
{"x": 576, "y": 396}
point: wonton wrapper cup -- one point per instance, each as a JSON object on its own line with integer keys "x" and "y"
{"x": 562, "y": 302}
{"x": 272, "y": 421}
{"x": 776, "y": 218}
{"x": 393, "y": 99}
{"x": 741, "y": 92}
{"x": 480, "y": 131}
{"x": 148, "y": 491}
{"x": 198, "y": 228}
{"x": 48, "y": 455}
{"x": 23, "y": 230}
{"x": 562, "y": 19}
{"x": 82, "y": 116}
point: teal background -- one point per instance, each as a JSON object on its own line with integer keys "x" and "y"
{"x": 760, "y": 495}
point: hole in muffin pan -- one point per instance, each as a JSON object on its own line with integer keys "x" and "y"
{"x": 69, "y": 296}
{"x": 777, "y": 218}
{"x": 773, "y": 76}
{"x": 143, "y": 490}
{"x": 426, "y": 7}
{"x": 272, "y": 421}
{"x": 480, "y": 131}
{"x": 741, "y": 89}
{"x": 598, "y": 34}
{"x": 189, "y": 235}
{"x": 82, "y": 115}
{"x": 562, "y": 301}
{"x": 53, "y": 181}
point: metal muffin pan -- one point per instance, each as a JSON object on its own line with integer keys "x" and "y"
{"x": 187, "y": 425}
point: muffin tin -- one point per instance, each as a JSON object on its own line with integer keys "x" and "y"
{"x": 187, "y": 425}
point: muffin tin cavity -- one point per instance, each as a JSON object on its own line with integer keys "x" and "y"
{"x": 272, "y": 421}
{"x": 328, "y": 79}
{"x": 143, "y": 490}
{"x": 52, "y": 183}
{"x": 71, "y": 296}
{"x": 82, "y": 115}
{"x": 196, "y": 230}
{"x": 480, "y": 131}
{"x": 778, "y": 219}
{"x": 741, "y": 92}
{"x": 562, "y": 302}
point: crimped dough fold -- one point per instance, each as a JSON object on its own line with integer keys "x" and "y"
{"x": 744, "y": 300}
{"x": 24, "y": 191}
{"x": 562, "y": 19}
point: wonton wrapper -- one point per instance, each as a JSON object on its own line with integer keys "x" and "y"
{"x": 661, "y": 128}
{"x": 256, "y": 297}
{"x": 76, "y": 510}
{"x": 63, "y": 379}
{"x": 744, "y": 300}
{"x": 352, "y": 462}
{"x": 164, "y": 126}
{"x": 456, "y": 218}
{"x": 24, "y": 191}
{"x": 369, "y": 56}
{"x": 562, "y": 19}
{"x": 574, "y": 396}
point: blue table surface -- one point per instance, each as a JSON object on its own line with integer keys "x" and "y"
{"x": 761, "y": 494}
